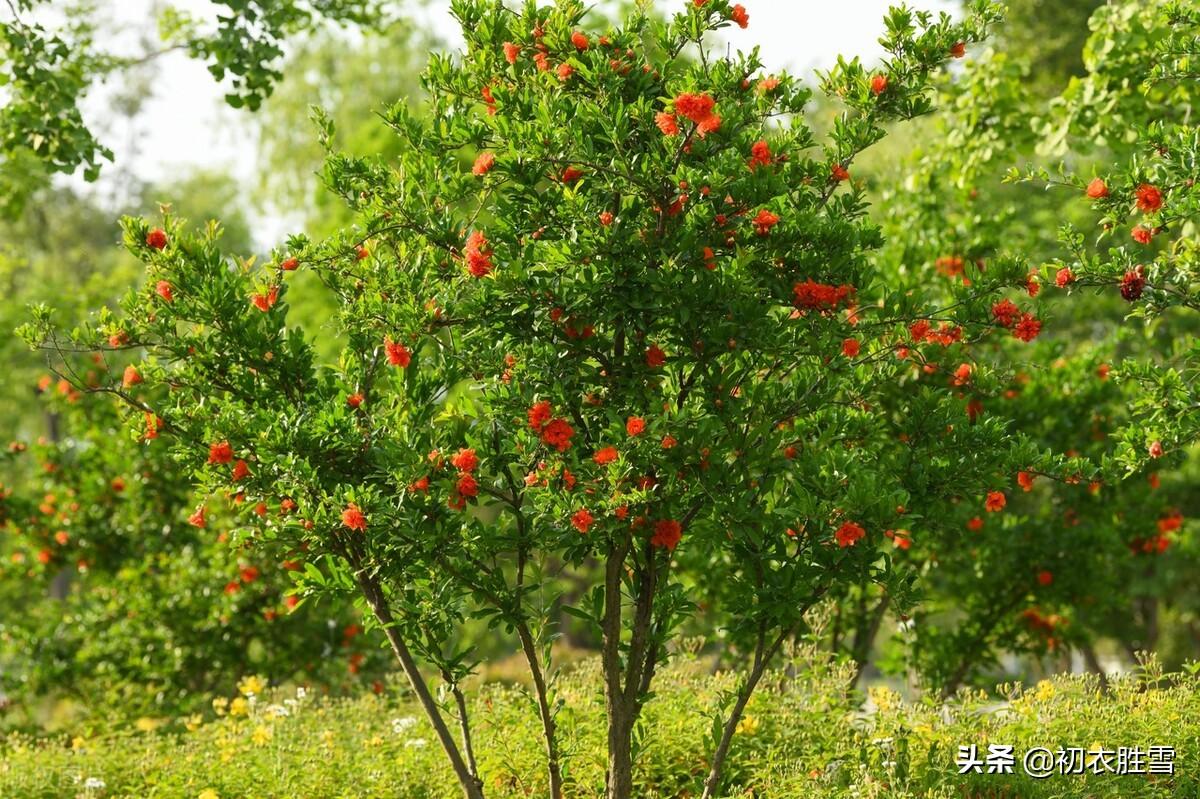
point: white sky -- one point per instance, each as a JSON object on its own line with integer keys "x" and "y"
{"x": 185, "y": 124}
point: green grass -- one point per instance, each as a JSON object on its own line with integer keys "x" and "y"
{"x": 805, "y": 736}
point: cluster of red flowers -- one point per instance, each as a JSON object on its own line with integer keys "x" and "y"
{"x": 477, "y": 255}
{"x": 995, "y": 501}
{"x": 1024, "y": 326}
{"x": 815, "y": 296}
{"x": 465, "y": 486}
{"x": 700, "y": 109}
{"x": 760, "y": 155}
{"x": 945, "y": 334}
{"x": 553, "y": 431}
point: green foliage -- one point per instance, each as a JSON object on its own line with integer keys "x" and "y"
{"x": 46, "y": 70}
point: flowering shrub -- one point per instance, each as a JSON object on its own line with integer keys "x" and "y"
{"x": 127, "y": 609}
{"x": 616, "y": 310}
{"x": 1076, "y": 552}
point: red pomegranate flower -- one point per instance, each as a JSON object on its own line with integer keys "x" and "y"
{"x": 221, "y": 452}
{"x": 1149, "y": 198}
{"x": 1132, "y": 284}
{"x": 764, "y": 222}
{"x": 478, "y": 256}
{"x": 353, "y": 518}
{"x": 849, "y": 534}
{"x": 667, "y": 123}
{"x": 667, "y": 534}
{"x": 156, "y": 239}
{"x": 465, "y": 460}
{"x": 605, "y": 456}
{"x": 483, "y": 164}
{"x": 397, "y": 353}
{"x": 582, "y": 520}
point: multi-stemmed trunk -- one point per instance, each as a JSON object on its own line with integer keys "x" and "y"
{"x": 625, "y": 689}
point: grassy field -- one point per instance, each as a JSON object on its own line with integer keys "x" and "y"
{"x": 804, "y": 736}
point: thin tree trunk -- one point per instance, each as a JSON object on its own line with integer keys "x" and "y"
{"x": 866, "y": 638}
{"x": 549, "y": 727}
{"x": 763, "y": 655}
{"x": 472, "y": 787}
{"x": 1093, "y": 663}
{"x": 464, "y": 726}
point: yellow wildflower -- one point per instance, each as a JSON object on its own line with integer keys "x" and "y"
{"x": 219, "y": 705}
{"x": 1045, "y": 691}
{"x": 884, "y": 698}
{"x": 239, "y": 707}
{"x": 193, "y": 722}
{"x": 262, "y": 734}
{"x": 145, "y": 724}
{"x": 252, "y": 685}
{"x": 747, "y": 726}
{"x": 208, "y": 793}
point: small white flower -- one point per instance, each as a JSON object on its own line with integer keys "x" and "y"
{"x": 416, "y": 743}
{"x": 402, "y": 725}
{"x": 301, "y": 692}
{"x": 93, "y": 784}
{"x": 277, "y": 711}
